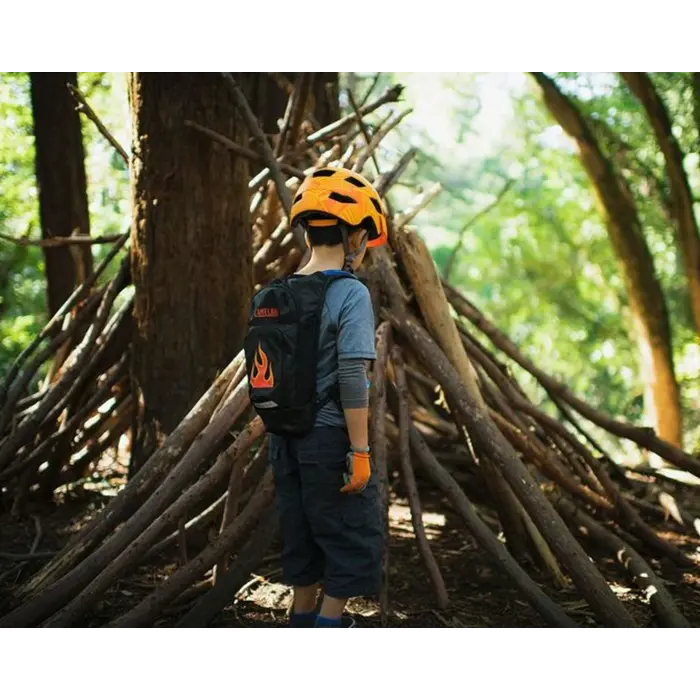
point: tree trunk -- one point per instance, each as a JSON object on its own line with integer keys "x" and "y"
{"x": 268, "y": 98}
{"x": 326, "y": 103}
{"x": 646, "y": 298}
{"x": 63, "y": 209}
{"x": 681, "y": 194}
{"x": 60, "y": 176}
{"x": 696, "y": 105}
{"x": 191, "y": 245}
{"x": 270, "y": 94}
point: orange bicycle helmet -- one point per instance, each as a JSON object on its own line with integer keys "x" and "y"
{"x": 345, "y": 196}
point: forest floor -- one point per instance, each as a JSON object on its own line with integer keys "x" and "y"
{"x": 481, "y": 596}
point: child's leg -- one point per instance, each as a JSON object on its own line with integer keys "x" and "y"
{"x": 305, "y": 598}
{"x": 332, "y": 608}
{"x": 302, "y": 560}
{"x": 346, "y": 526}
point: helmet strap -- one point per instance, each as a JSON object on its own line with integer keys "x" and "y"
{"x": 350, "y": 255}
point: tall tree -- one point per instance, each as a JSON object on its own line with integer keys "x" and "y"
{"x": 269, "y": 95}
{"x": 191, "y": 245}
{"x": 647, "y": 303}
{"x": 695, "y": 77}
{"x": 60, "y": 175}
{"x": 681, "y": 204}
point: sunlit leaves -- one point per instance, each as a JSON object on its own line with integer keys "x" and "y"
{"x": 22, "y": 285}
{"x": 541, "y": 263}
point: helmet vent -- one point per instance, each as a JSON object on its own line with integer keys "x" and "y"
{"x": 336, "y": 196}
{"x": 354, "y": 181}
{"x": 376, "y": 204}
{"x": 323, "y": 173}
{"x": 298, "y": 198}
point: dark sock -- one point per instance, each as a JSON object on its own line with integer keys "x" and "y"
{"x": 306, "y": 619}
{"x": 327, "y": 621}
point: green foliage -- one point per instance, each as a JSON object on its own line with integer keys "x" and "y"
{"x": 22, "y": 292}
{"x": 22, "y": 284}
{"x": 539, "y": 262}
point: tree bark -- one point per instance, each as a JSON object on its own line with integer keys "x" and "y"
{"x": 214, "y": 601}
{"x": 696, "y": 105}
{"x": 413, "y": 254}
{"x": 326, "y": 103}
{"x": 647, "y": 304}
{"x": 642, "y": 575}
{"x": 270, "y": 94}
{"x": 378, "y": 443}
{"x": 681, "y": 194}
{"x": 61, "y": 181}
{"x": 191, "y": 245}
{"x": 549, "y": 610}
{"x": 404, "y": 421}
{"x": 489, "y": 441}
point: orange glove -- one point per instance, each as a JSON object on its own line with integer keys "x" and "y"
{"x": 358, "y": 473}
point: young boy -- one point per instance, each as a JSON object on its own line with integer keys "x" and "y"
{"x": 326, "y": 492}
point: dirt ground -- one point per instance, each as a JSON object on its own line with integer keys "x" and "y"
{"x": 481, "y": 596}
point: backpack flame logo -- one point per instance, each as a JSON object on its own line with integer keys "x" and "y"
{"x": 261, "y": 377}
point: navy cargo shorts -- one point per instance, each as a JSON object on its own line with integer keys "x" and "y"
{"x": 329, "y": 537}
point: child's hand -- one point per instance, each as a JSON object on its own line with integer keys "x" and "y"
{"x": 358, "y": 473}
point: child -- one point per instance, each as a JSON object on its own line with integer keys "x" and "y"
{"x": 326, "y": 492}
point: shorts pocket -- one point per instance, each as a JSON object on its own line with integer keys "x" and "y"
{"x": 277, "y": 454}
{"x": 274, "y": 449}
{"x": 323, "y": 462}
{"x": 356, "y": 513}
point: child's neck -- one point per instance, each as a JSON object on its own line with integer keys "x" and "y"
{"x": 324, "y": 258}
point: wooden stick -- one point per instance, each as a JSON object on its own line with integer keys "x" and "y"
{"x": 172, "y": 450}
{"x": 250, "y": 557}
{"x": 419, "y": 203}
{"x": 549, "y": 610}
{"x": 268, "y": 156}
{"x": 233, "y": 495}
{"x": 19, "y": 386}
{"x": 148, "y": 610}
{"x": 88, "y": 111}
{"x": 549, "y": 464}
{"x": 80, "y": 373}
{"x": 387, "y": 180}
{"x": 29, "y": 556}
{"x": 117, "y": 559}
{"x": 54, "y": 325}
{"x": 489, "y": 441}
{"x": 377, "y": 427}
{"x": 370, "y": 89}
{"x": 299, "y": 103}
{"x": 57, "y": 241}
{"x": 204, "y": 519}
{"x": 377, "y": 139}
{"x": 99, "y": 397}
{"x": 639, "y": 571}
{"x": 644, "y": 437}
{"x": 363, "y": 129}
{"x": 246, "y": 153}
{"x": 64, "y": 388}
{"x": 393, "y": 94}
{"x": 404, "y": 421}
{"x": 419, "y": 266}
